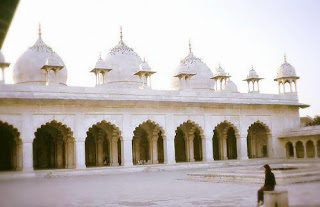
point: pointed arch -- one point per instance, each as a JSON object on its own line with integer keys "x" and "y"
{"x": 289, "y": 150}
{"x": 310, "y": 149}
{"x": 224, "y": 141}
{"x": 10, "y": 148}
{"x": 103, "y": 145}
{"x": 188, "y": 142}
{"x": 53, "y": 146}
{"x": 299, "y": 149}
{"x": 147, "y": 143}
{"x": 257, "y": 140}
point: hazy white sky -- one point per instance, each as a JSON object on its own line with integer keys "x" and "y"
{"x": 236, "y": 33}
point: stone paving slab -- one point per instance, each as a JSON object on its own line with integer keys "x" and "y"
{"x": 162, "y": 188}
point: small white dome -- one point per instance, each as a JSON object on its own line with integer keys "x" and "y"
{"x": 101, "y": 64}
{"x": 2, "y": 60}
{"x": 124, "y": 63}
{"x": 231, "y": 87}
{"x": 53, "y": 60}
{"x": 192, "y": 64}
{"x": 144, "y": 66}
{"x": 27, "y": 69}
{"x": 220, "y": 72}
{"x": 252, "y": 74}
{"x": 286, "y": 70}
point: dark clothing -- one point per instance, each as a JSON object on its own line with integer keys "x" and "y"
{"x": 270, "y": 180}
{"x": 269, "y": 184}
{"x": 261, "y": 190}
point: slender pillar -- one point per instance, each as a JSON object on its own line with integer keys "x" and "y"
{"x": 126, "y": 152}
{"x": 186, "y": 145}
{"x": 304, "y": 150}
{"x": 224, "y": 146}
{"x": 27, "y": 152}
{"x": 191, "y": 148}
{"x": 100, "y": 155}
{"x": 294, "y": 151}
{"x": 114, "y": 150}
{"x": 155, "y": 149}
{"x": 59, "y": 154}
{"x": 315, "y": 149}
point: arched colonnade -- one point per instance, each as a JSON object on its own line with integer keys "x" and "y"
{"x": 54, "y": 144}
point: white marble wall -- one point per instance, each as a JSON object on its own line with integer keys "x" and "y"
{"x": 27, "y": 118}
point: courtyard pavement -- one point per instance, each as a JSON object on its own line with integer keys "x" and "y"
{"x": 166, "y": 188}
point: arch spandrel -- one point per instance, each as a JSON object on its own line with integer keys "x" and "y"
{"x": 231, "y": 124}
{"x": 156, "y": 125}
{"x": 90, "y": 120}
{"x": 114, "y": 127}
{"x": 14, "y": 120}
{"x": 137, "y": 120}
{"x": 39, "y": 120}
{"x": 194, "y": 126}
{"x": 58, "y": 125}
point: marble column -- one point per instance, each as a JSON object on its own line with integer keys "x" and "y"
{"x": 168, "y": 141}
{"x": 305, "y": 150}
{"x": 242, "y": 149}
{"x": 294, "y": 151}
{"x": 168, "y": 151}
{"x": 59, "y": 154}
{"x": 27, "y": 152}
{"x": 80, "y": 154}
{"x": 155, "y": 149}
{"x": 315, "y": 149}
{"x": 207, "y": 150}
{"x": 100, "y": 155}
{"x": 126, "y": 152}
{"x": 186, "y": 145}
{"x": 191, "y": 148}
{"x": 224, "y": 147}
{"x": 114, "y": 151}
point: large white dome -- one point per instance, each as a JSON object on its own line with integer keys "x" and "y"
{"x": 124, "y": 63}
{"x": 201, "y": 80}
{"x": 2, "y": 60}
{"x": 230, "y": 87}
{"x": 27, "y": 69}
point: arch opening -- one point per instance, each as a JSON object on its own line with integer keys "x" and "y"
{"x": 257, "y": 140}
{"x": 310, "y": 149}
{"x": 188, "y": 143}
{"x": 289, "y": 150}
{"x": 103, "y": 145}
{"x": 53, "y": 147}
{"x": 147, "y": 144}
{"x": 10, "y": 148}
{"x": 318, "y": 148}
{"x": 299, "y": 149}
{"x": 224, "y": 141}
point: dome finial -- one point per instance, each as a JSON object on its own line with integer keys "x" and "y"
{"x": 39, "y": 30}
{"x": 121, "y": 33}
{"x": 190, "y": 49}
{"x": 285, "y": 58}
{"x": 100, "y": 55}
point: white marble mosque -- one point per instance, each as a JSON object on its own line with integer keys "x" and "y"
{"x": 45, "y": 124}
